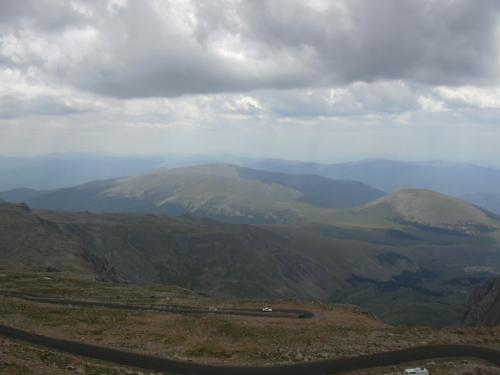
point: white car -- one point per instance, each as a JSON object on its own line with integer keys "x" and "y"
{"x": 416, "y": 371}
{"x": 267, "y": 309}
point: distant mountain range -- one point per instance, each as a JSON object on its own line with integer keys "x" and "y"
{"x": 476, "y": 184}
{"x": 219, "y": 191}
{"x": 63, "y": 170}
{"x": 388, "y": 175}
{"x": 235, "y": 194}
{"x": 55, "y": 172}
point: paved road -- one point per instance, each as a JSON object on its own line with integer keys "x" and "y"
{"x": 174, "y": 309}
{"x": 335, "y": 366}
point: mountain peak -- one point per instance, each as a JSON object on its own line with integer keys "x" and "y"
{"x": 427, "y": 207}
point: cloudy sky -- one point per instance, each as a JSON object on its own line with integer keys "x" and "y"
{"x": 319, "y": 80}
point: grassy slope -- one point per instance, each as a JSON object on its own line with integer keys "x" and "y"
{"x": 419, "y": 207}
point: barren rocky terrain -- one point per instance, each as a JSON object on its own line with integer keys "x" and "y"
{"x": 337, "y": 331}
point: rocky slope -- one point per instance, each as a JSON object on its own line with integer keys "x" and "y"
{"x": 28, "y": 239}
{"x": 222, "y": 259}
{"x": 483, "y": 307}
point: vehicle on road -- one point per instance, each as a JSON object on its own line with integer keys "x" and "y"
{"x": 416, "y": 371}
{"x": 267, "y": 309}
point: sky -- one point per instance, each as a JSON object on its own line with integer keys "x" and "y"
{"x": 294, "y": 79}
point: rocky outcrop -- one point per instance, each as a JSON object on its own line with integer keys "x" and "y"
{"x": 483, "y": 307}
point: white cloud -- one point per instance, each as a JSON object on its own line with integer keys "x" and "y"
{"x": 471, "y": 96}
{"x": 428, "y": 103}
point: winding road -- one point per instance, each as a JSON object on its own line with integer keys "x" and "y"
{"x": 335, "y": 366}
{"x": 173, "y": 309}
{"x": 152, "y": 363}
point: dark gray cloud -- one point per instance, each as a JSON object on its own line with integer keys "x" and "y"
{"x": 426, "y": 41}
{"x": 167, "y": 48}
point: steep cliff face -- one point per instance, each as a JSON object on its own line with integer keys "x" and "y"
{"x": 483, "y": 307}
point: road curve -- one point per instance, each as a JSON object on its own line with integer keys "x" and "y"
{"x": 173, "y": 309}
{"x": 335, "y": 366}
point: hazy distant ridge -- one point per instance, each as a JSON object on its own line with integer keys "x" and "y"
{"x": 477, "y": 184}
{"x": 220, "y": 191}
